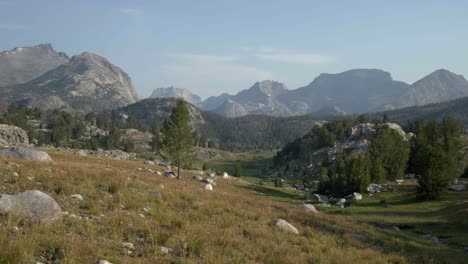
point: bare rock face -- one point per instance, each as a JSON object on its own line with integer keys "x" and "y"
{"x": 25, "y": 153}
{"x": 36, "y": 206}
{"x": 231, "y": 108}
{"x": 11, "y": 135}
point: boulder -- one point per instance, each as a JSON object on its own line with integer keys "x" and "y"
{"x": 127, "y": 245}
{"x": 170, "y": 175}
{"x": 149, "y": 162}
{"x": 374, "y": 188}
{"x": 35, "y": 205}
{"x": 354, "y": 196}
{"x": 285, "y": 226}
{"x": 12, "y": 135}
{"x": 225, "y": 175}
{"x": 208, "y": 187}
{"x": 317, "y": 197}
{"x": 457, "y": 187}
{"x": 341, "y": 202}
{"x": 102, "y": 261}
{"x": 308, "y": 208}
{"x": 210, "y": 181}
{"x": 81, "y": 153}
{"x": 197, "y": 177}
{"x": 25, "y": 153}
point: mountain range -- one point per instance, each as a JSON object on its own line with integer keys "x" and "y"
{"x": 42, "y": 77}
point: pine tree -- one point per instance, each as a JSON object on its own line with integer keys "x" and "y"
{"x": 237, "y": 170}
{"x": 177, "y": 142}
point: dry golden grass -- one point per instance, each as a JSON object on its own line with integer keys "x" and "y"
{"x": 229, "y": 225}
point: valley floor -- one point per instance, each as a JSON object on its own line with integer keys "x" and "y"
{"x": 230, "y": 224}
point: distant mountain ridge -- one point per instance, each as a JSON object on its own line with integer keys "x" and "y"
{"x": 87, "y": 82}
{"x": 172, "y": 92}
{"x": 24, "y": 64}
{"x": 350, "y": 92}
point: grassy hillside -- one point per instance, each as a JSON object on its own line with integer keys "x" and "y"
{"x": 228, "y": 225}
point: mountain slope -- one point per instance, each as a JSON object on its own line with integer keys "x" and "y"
{"x": 354, "y": 91}
{"x": 172, "y": 92}
{"x": 23, "y": 64}
{"x": 87, "y": 82}
{"x": 439, "y": 86}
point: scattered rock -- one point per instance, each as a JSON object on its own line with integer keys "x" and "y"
{"x": 308, "y": 208}
{"x": 457, "y": 187}
{"x": 12, "y": 135}
{"x": 102, "y": 261}
{"x": 197, "y": 177}
{"x": 170, "y": 175}
{"x": 35, "y": 205}
{"x": 354, "y": 196}
{"x": 285, "y": 226}
{"x": 374, "y": 188}
{"x": 208, "y": 187}
{"x": 225, "y": 175}
{"x": 167, "y": 250}
{"x": 25, "y": 153}
{"x": 341, "y": 203}
{"x": 317, "y": 197}
{"x": 149, "y": 162}
{"x": 77, "y": 197}
{"x": 127, "y": 245}
{"x": 81, "y": 153}
{"x": 158, "y": 173}
{"x": 210, "y": 181}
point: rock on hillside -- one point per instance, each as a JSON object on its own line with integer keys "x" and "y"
{"x": 439, "y": 86}
{"x": 25, "y": 153}
{"x": 172, "y": 92}
{"x": 23, "y": 64}
{"x": 88, "y": 82}
{"x": 36, "y": 206}
{"x": 11, "y": 135}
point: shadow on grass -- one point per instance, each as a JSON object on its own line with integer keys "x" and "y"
{"x": 272, "y": 192}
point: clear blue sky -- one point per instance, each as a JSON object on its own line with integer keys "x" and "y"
{"x": 219, "y": 46}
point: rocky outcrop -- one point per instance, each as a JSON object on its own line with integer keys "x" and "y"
{"x": 11, "y": 135}
{"x": 172, "y": 92}
{"x": 25, "y": 153}
{"x": 231, "y": 108}
{"x": 23, "y": 64}
{"x": 35, "y": 206}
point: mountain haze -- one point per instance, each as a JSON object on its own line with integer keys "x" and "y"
{"x": 24, "y": 64}
{"x": 172, "y": 92}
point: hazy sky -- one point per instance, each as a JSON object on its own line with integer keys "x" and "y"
{"x": 219, "y": 46}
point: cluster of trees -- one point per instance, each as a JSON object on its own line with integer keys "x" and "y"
{"x": 17, "y": 115}
{"x": 436, "y": 154}
{"x": 385, "y": 159}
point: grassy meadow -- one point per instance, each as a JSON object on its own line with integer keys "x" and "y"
{"x": 228, "y": 225}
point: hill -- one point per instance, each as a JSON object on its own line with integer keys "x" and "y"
{"x": 129, "y": 214}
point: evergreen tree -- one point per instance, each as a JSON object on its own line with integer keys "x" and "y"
{"x": 177, "y": 142}
{"x": 237, "y": 170}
